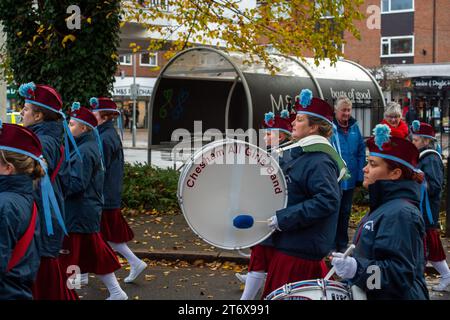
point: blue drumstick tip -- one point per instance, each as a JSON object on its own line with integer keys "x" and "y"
{"x": 243, "y": 221}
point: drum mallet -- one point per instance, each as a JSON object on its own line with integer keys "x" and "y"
{"x": 245, "y": 221}
{"x": 333, "y": 270}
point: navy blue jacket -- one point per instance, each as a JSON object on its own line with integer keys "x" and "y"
{"x": 282, "y": 159}
{"x": 308, "y": 223}
{"x": 431, "y": 164}
{"x": 51, "y": 136}
{"x": 391, "y": 238}
{"x": 353, "y": 151}
{"x": 16, "y": 206}
{"x": 84, "y": 187}
{"x": 114, "y": 163}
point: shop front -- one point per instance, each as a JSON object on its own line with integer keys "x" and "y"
{"x": 122, "y": 95}
{"x": 431, "y": 96}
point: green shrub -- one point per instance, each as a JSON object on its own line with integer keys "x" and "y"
{"x": 361, "y": 196}
{"x": 147, "y": 188}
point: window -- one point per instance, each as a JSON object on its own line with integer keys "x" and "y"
{"x": 394, "y": 6}
{"x": 163, "y": 5}
{"x": 125, "y": 60}
{"x": 397, "y": 46}
{"x": 149, "y": 59}
{"x": 328, "y": 15}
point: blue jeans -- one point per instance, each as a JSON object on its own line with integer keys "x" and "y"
{"x": 341, "y": 241}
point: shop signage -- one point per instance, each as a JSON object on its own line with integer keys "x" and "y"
{"x": 432, "y": 83}
{"x": 126, "y": 91}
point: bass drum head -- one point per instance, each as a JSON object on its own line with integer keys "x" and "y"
{"x": 225, "y": 179}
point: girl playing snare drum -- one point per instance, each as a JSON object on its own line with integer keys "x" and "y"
{"x": 389, "y": 239}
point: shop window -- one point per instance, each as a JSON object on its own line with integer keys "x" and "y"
{"x": 397, "y": 46}
{"x": 395, "y": 6}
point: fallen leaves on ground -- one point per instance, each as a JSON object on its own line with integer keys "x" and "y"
{"x": 149, "y": 277}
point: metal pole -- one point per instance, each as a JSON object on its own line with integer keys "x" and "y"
{"x": 2, "y": 82}
{"x": 150, "y": 128}
{"x": 134, "y": 100}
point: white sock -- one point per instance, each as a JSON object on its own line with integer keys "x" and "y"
{"x": 442, "y": 268}
{"x": 84, "y": 278}
{"x": 253, "y": 283}
{"x": 125, "y": 251}
{"x": 110, "y": 281}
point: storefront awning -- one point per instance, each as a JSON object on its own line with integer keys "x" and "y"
{"x": 422, "y": 70}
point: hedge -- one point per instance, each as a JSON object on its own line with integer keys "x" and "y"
{"x": 150, "y": 188}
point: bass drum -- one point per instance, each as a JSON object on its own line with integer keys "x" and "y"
{"x": 225, "y": 179}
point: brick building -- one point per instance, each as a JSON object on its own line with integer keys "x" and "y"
{"x": 409, "y": 41}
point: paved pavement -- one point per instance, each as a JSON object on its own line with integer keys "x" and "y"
{"x": 170, "y": 280}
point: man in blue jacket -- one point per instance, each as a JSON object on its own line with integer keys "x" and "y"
{"x": 353, "y": 152}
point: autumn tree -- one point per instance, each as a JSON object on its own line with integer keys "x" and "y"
{"x": 294, "y": 27}
{"x": 79, "y": 63}
{"x": 82, "y": 62}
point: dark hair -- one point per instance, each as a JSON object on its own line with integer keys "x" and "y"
{"x": 47, "y": 114}
{"x": 325, "y": 129}
{"x": 109, "y": 115}
{"x": 407, "y": 173}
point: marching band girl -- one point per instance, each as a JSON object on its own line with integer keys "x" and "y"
{"x": 114, "y": 227}
{"x": 430, "y": 162}
{"x": 20, "y": 165}
{"x": 84, "y": 200}
{"x": 389, "y": 239}
{"x": 42, "y": 114}
{"x": 305, "y": 229}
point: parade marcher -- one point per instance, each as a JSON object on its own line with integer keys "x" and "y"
{"x": 85, "y": 246}
{"x": 114, "y": 227}
{"x": 430, "y": 162}
{"x": 389, "y": 239}
{"x": 393, "y": 119}
{"x": 353, "y": 151}
{"x": 21, "y": 168}
{"x": 411, "y": 115}
{"x": 42, "y": 114}
{"x": 278, "y": 131}
{"x": 305, "y": 229}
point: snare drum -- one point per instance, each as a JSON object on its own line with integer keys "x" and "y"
{"x": 318, "y": 289}
{"x": 225, "y": 179}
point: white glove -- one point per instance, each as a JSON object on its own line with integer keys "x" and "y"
{"x": 345, "y": 267}
{"x": 273, "y": 223}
